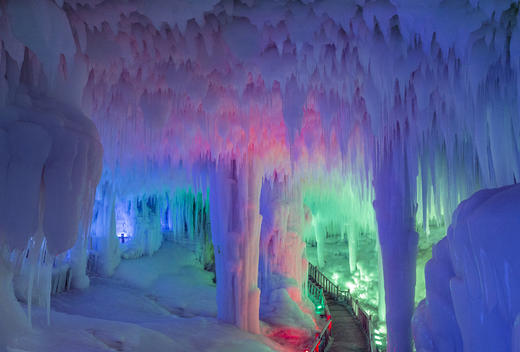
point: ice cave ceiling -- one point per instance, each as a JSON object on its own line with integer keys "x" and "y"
{"x": 307, "y": 80}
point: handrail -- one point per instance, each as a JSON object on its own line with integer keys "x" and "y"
{"x": 317, "y": 296}
{"x": 340, "y": 295}
{"x": 322, "y": 339}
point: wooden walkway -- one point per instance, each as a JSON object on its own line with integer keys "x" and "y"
{"x": 347, "y": 334}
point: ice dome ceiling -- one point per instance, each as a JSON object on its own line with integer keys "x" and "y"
{"x": 178, "y": 79}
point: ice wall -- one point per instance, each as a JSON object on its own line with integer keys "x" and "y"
{"x": 471, "y": 299}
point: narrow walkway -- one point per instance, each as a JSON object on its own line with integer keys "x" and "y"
{"x": 346, "y": 332}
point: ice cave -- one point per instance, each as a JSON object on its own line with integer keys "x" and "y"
{"x": 259, "y": 175}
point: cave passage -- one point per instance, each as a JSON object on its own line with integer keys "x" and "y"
{"x": 259, "y": 175}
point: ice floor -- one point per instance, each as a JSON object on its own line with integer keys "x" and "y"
{"x": 159, "y": 303}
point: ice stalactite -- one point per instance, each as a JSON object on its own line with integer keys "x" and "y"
{"x": 235, "y": 227}
{"x": 32, "y": 281}
{"x": 395, "y": 208}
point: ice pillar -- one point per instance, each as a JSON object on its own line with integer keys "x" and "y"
{"x": 235, "y": 229}
{"x": 282, "y": 262}
{"x": 352, "y": 249}
{"x": 105, "y": 244}
{"x": 395, "y": 208}
{"x": 320, "y": 236}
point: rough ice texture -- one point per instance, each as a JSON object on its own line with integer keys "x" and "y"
{"x": 104, "y": 251}
{"x": 282, "y": 267}
{"x": 473, "y": 278}
{"x": 235, "y": 230}
{"x": 313, "y": 87}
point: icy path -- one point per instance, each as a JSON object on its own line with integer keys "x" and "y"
{"x": 348, "y": 337}
{"x": 158, "y": 303}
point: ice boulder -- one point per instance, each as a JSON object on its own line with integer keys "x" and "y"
{"x": 473, "y": 279}
{"x": 50, "y": 164}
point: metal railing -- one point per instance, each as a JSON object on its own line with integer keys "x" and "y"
{"x": 317, "y": 297}
{"x": 323, "y": 281}
{"x": 322, "y": 339}
{"x": 366, "y": 323}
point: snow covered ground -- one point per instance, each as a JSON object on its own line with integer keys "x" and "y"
{"x": 165, "y": 302}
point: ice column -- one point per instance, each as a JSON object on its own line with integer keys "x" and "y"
{"x": 105, "y": 244}
{"x": 281, "y": 246}
{"x": 147, "y": 226}
{"x": 395, "y": 211}
{"x": 235, "y": 228}
{"x": 283, "y": 268}
{"x": 319, "y": 232}
{"x": 352, "y": 249}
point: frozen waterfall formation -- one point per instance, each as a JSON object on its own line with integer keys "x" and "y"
{"x": 249, "y": 127}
